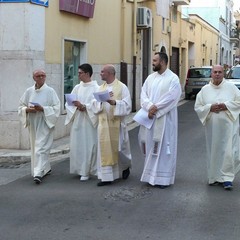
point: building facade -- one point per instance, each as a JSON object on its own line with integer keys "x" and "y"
{"x": 219, "y": 14}
{"x": 61, "y": 34}
{"x": 58, "y": 38}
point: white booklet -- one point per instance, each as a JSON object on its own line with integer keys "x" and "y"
{"x": 142, "y": 118}
{"x": 35, "y": 104}
{"x": 102, "y": 96}
{"x": 70, "y": 97}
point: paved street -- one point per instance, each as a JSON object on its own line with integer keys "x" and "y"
{"x": 65, "y": 208}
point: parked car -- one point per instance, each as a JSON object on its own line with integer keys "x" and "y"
{"x": 197, "y": 77}
{"x": 234, "y": 75}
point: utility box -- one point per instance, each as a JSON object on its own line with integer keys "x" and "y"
{"x": 144, "y": 17}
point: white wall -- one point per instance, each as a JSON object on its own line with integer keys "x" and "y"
{"x": 22, "y": 44}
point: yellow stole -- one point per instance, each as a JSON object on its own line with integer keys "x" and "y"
{"x": 109, "y": 126}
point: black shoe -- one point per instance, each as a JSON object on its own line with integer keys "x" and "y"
{"x": 37, "y": 180}
{"x": 163, "y": 186}
{"x": 215, "y": 184}
{"x": 125, "y": 173}
{"x": 100, "y": 184}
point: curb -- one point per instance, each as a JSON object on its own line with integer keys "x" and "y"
{"x": 10, "y": 156}
{"x": 19, "y": 158}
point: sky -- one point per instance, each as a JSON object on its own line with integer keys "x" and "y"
{"x": 212, "y": 3}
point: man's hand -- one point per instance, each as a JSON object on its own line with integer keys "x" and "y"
{"x": 152, "y": 111}
{"x": 150, "y": 115}
{"x": 222, "y": 107}
{"x": 81, "y": 107}
{"x": 111, "y": 94}
{"x": 31, "y": 109}
{"x": 111, "y": 102}
{"x": 38, "y": 108}
{"x": 218, "y": 107}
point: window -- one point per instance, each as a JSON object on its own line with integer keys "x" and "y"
{"x": 234, "y": 73}
{"x": 71, "y": 63}
{"x": 200, "y": 73}
{"x": 163, "y": 24}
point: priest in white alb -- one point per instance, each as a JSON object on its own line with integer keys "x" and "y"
{"x": 114, "y": 155}
{"x": 83, "y": 137}
{"x": 160, "y": 94}
{"x": 38, "y": 110}
{"x": 218, "y": 108}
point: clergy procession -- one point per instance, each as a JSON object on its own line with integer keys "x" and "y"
{"x": 99, "y": 140}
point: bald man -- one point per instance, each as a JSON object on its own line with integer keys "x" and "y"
{"x": 112, "y": 130}
{"x": 39, "y": 109}
{"x": 218, "y": 108}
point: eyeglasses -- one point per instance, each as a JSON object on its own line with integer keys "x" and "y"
{"x": 42, "y": 76}
{"x": 80, "y": 73}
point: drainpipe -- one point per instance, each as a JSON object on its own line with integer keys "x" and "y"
{"x": 123, "y": 30}
{"x": 170, "y": 31}
{"x": 134, "y": 55}
{"x": 134, "y": 27}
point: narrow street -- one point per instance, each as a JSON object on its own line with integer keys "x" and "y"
{"x": 62, "y": 207}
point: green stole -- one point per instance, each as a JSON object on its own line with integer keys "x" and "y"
{"x": 109, "y": 126}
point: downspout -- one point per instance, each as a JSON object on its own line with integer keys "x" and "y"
{"x": 170, "y": 32}
{"x": 134, "y": 27}
{"x": 123, "y": 30}
{"x": 134, "y": 55}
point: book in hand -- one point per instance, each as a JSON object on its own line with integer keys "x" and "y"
{"x": 70, "y": 97}
{"x": 102, "y": 96}
{"x": 35, "y": 104}
{"x": 142, "y": 118}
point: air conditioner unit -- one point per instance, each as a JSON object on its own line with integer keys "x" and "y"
{"x": 144, "y": 17}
